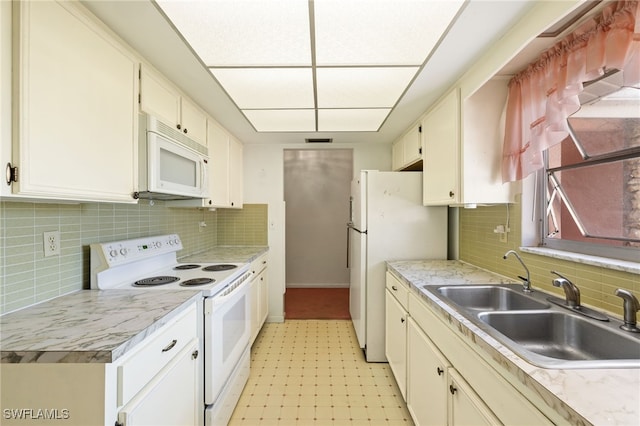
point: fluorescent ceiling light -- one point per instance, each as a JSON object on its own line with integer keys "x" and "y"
{"x": 313, "y": 65}
{"x": 278, "y": 120}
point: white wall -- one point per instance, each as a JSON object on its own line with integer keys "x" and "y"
{"x": 264, "y": 184}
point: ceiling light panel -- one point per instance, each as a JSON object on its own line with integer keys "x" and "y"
{"x": 267, "y": 88}
{"x": 295, "y": 120}
{"x": 379, "y": 32}
{"x": 362, "y": 87}
{"x": 351, "y": 120}
{"x": 244, "y": 32}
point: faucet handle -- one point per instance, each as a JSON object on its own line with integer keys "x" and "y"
{"x": 571, "y": 291}
{"x": 631, "y": 306}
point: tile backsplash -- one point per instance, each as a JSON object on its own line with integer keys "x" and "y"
{"x": 27, "y": 277}
{"x": 480, "y": 246}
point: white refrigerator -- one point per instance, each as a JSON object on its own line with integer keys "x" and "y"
{"x": 388, "y": 222}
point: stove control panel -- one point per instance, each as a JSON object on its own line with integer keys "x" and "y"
{"x": 121, "y": 252}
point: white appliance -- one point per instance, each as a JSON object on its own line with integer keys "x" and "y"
{"x": 388, "y": 222}
{"x": 171, "y": 165}
{"x": 150, "y": 264}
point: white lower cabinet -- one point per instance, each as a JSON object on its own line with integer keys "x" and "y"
{"x": 446, "y": 381}
{"x": 395, "y": 344}
{"x": 427, "y": 384}
{"x": 259, "y": 294}
{"x": 396, "y": 340}
{"x": 475, "y": 390}
{"x": 157, "y": 382}
{"x": 157, "y": 403}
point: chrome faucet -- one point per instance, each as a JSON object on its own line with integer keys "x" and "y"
{"x": 526, "y": 282}
{"x": 631, "y": 306}
{"x": 571, "y": 291}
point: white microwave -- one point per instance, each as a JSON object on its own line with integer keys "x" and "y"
{"x": 171, "y": 165}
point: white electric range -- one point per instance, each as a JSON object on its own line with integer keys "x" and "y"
{"x": 150, "y": 264}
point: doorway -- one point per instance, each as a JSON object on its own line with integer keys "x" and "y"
{"x": 317, "y": 187}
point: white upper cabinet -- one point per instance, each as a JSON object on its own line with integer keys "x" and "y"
{"x": 407, "y": 150}
{"x": 160, "y": 98}
{"x": 462, "y": 144}
{"x": 75, "y": 111}
{"x": 441, "y": 158}
{"x": 225, "y": 168}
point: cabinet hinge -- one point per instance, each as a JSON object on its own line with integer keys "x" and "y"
{"x": 11, "y": 174}
{"x": 419, "y": 129}
{"x": 420, "y": 150}
{"x": 140, "y": 98}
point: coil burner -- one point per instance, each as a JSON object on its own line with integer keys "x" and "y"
{"x": 186, "y": 266}
{"x": 197, "y": 281}
{"x": 153, "y": 281}
{"x": 221, "y": 267}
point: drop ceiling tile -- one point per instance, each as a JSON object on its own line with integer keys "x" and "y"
{"x": 267, "y": 88}
{"x": 351, "y": 120}
{"x": 296, "y": 120}
{"x": 244, "y": 33}
{"x": 353, "y": 32}
{"x": 362, "y": 87}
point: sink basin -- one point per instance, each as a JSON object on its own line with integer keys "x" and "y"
{"x": 491, "y": 297}
{"x": 542, "y": 333}
{"x": 566, "y": 337}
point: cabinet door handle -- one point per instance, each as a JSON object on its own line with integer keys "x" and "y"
{"x": 394, "y": 288}
{"x": 402, "y": 320}
{"x": 452, "y": 389}
{"x": 170, "y": 346}
{"x": 451, "y": 194}
{"x": 185, "y": 130}
{"x": 440, "y": 371}
{"x": 178, "y": 126}
{"x": 194, "y": 354}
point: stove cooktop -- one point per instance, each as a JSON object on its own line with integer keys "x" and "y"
{"x": 150, "y": 264}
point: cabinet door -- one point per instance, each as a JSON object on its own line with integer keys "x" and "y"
{"x": 441, "y": 158}
{"x": 412, "y": 145}
{"x": 235, "y": 173}
{"x": 171, "y": 398}
{"x": 158, "y": 97}
{"x": 193, "y": 121}
{"x": 76, "y": 106}
{"x": 426, "y": 379}
{"x": 264, "y": 296}
{"x": 465, "y": 406}
{"x": 396, "y": 340}
{"x": 255, "y": 308}
{"x": 218, "y": 140}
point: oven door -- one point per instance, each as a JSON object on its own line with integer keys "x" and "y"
{"x": 227, "y": 328}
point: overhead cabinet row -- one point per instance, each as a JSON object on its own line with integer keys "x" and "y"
{"x": 77, "y": 93}
{"x": 459, "y": 145}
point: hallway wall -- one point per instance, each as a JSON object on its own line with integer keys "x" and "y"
{"x": 316, "y": 193}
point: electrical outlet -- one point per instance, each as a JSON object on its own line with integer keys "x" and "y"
{"x": 51, "y": 241}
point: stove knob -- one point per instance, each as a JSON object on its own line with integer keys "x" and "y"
{"x": 123, "y": 251}
{"x": 113, "y": 253}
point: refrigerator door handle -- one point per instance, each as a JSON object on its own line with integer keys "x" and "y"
{"x": 348, "y": 245}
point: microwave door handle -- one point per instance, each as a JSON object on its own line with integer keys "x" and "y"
{"x": 204, "y": 183}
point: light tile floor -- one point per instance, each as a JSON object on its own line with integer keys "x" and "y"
{"x": 312, "y": 372}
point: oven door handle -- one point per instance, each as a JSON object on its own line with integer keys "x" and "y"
{"x": 231, "y": 292}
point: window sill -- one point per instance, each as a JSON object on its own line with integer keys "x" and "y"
{"x": 618, "y": 265}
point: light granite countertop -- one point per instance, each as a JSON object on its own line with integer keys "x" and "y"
{"x": 581, "y": 396}
{"x": 231, "y": 254}
{"x": 88, "y": 325}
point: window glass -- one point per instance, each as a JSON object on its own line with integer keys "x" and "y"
{"x": 592, "y": 192}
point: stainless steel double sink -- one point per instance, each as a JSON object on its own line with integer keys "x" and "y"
{"x": 542, "y": 333}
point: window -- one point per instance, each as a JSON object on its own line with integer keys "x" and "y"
{"x": 592, "y": 191}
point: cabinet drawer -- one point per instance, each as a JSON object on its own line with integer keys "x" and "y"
{"x": 399, "y": 290}
{"x": 139, "y": 368}
{"x": 258, "y": 265}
